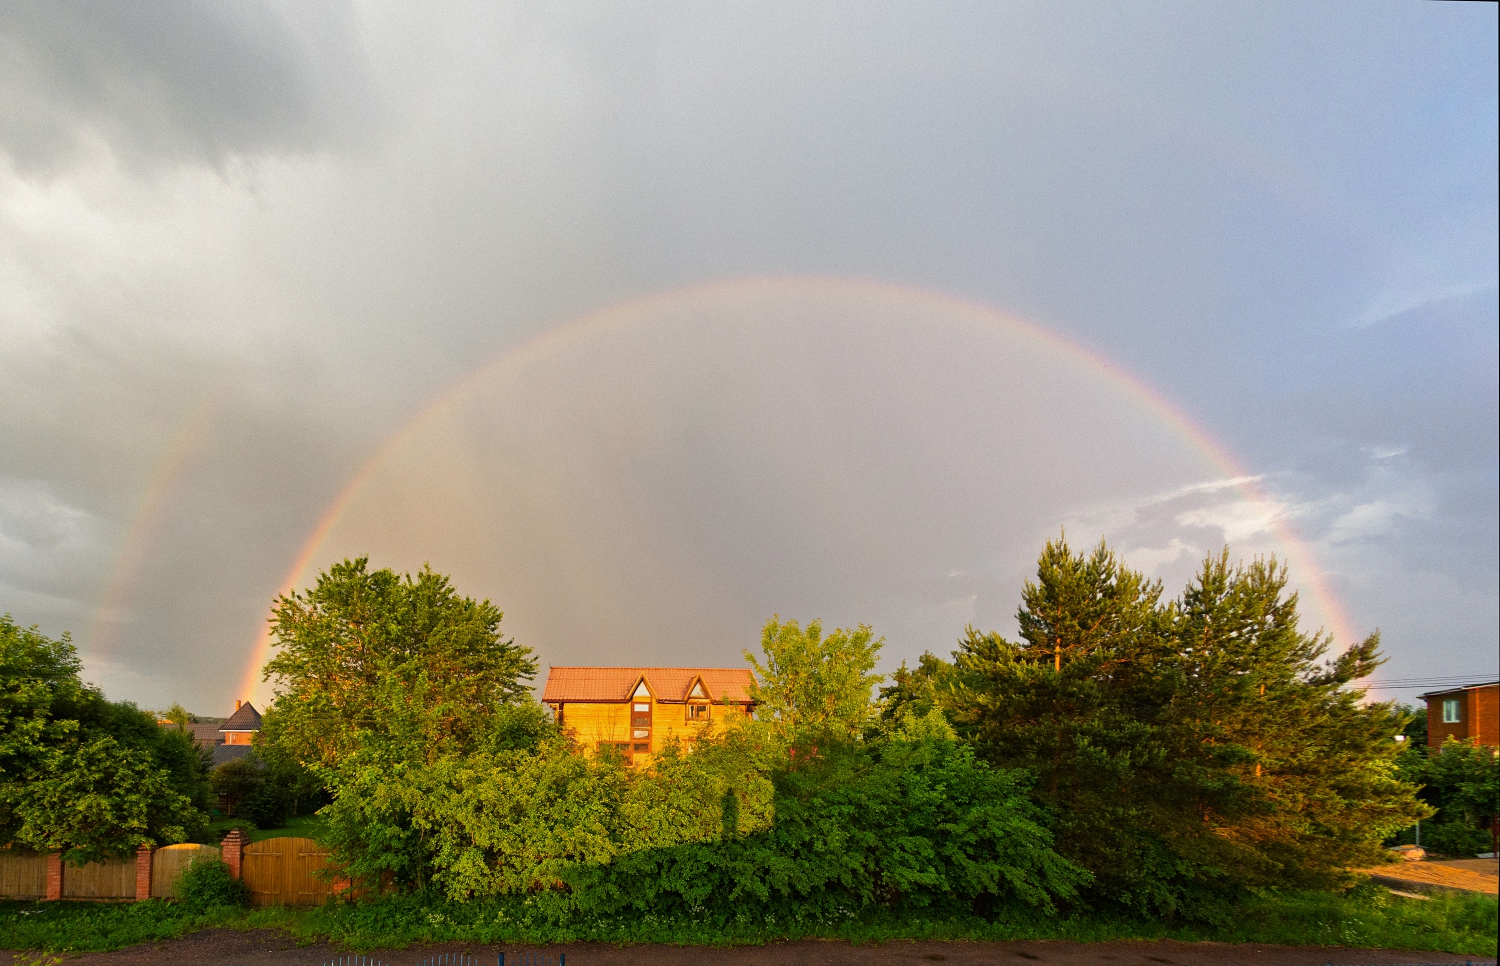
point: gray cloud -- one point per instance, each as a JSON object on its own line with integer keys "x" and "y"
{"x": 318, "y": 217}
{"x": 166, "y": 81}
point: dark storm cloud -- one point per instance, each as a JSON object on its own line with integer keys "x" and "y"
{"x": 1280, "y": 216}
{"x": 174, "y": 80}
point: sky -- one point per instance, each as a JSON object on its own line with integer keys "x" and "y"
{"x": 648, "y": 322}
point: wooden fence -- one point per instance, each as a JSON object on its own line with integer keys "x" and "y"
{"x": 168, "y": 863}
{"x": 278, "y": 872}
{"x": 23, "y": 875}
{"x": 284, "y": 872}
{"x": 111, "y": 879}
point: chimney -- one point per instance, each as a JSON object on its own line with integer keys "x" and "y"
{"x": 236, "y": 704}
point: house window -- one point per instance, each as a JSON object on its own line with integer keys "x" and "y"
{"x": 1450, "y": 711}
{"x": 643, "y": 747}
{"x": 697, "y": 712}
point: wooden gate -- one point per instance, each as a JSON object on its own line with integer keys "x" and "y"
{"x": 23, "y": 874}
{"x": 111, "y": 879}
{"x": 282, "y": 872}
{"x": 169, "y": 862}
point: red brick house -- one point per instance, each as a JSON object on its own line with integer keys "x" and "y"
{"x": 229, "y": 739}
{"x": 1466, "y": 713}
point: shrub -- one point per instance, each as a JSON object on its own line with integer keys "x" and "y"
{"x": 207, "y": 884}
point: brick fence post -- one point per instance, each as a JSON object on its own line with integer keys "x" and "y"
{"x": 54, "y": 876}
{"x": 143, "y": 873}
{"x": 234, "y": 851}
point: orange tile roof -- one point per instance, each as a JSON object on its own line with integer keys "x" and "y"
{"x": 611, "y": 684}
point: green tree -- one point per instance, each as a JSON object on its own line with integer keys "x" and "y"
{"x": 179, "y": 716}
{"x": 1077, "y": 702}
{"x": 1461, "y": 786}
{"x": 79, "y": 774}
{"x": 380, "y": 680}
{"x": 237, "y": 780}
{"x": 814, "y": 688}
{"x": 1188, "y": 748}
{"x": 917, "y": 691}
{"x": 1315, "y": 764}
{"x": 372, "y": 656}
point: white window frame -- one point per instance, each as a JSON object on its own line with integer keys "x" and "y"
{"x": 1452, "y": 711}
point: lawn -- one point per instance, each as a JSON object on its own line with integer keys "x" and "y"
{"x": 305, "y": 826}
{"x": 1366, "y": 917}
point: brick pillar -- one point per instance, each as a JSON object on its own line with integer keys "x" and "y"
{"x": 234, "y": 850}
{"x": 54, "y": 876}
{"x": 143, "y": 873}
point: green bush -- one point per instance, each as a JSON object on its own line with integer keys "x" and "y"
{"x": 208, "y": 884}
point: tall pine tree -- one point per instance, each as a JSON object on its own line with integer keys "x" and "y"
{"x": 1316, "y": 763}
{"x": 1188, "y": 748}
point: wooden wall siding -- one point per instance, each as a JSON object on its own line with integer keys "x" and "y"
{"x": 113, "y": 879}
{"x": 168, "y": 863}
{"x": 282, "y": 872}
{"x": 23, "y": 874}
{"x": 593, "y": 723}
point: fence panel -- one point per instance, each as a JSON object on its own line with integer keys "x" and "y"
{"x": 168, "y": 863}
{"x": 282, "y": 872}
{"x": 23, "y": 874}
{"x": 111, "y": 879}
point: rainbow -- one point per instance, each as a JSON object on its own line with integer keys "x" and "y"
{"x": 631, "y": 312}
{"x": 189, "y": 437}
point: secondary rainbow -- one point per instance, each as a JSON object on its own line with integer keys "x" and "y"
{"x": 188, "y": 439}
{"x": 623, "y": 314}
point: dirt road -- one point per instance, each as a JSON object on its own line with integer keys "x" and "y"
{"x": 225, "y": 947}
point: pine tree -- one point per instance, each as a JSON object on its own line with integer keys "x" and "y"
{"x": 1188, "y": 748}
{"x": 1077, "y": 702}
{"x": 1316, "y": 764}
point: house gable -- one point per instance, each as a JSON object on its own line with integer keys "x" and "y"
{"x": 637, "y": 711}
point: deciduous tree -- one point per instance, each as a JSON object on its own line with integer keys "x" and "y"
{"x": 81, "y": 775}
{"x": 811, "y": 687}
{"x": 374, "y": 656}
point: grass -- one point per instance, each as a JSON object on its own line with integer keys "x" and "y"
{"x": 1365, "y": 917}
{"x": 305, "y": 826}
{"x": 99, "y": 926}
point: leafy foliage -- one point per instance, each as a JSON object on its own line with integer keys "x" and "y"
{"x": 812, "y": 687}
{"x": 380, "y": 677}
{"x": 79, "y": 774}
{"x": 1187, "y": 748}
{"x": 1461, "y": 783}
{"x": 235, "y": 781}
{"x": 1462, "y": 924}
{"x": 208, "y": 884}
{"x": 917, "y": 691}
{"x": 375, "y": 658}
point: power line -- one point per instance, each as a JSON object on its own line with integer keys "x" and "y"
{"x": 1438, "y": 683}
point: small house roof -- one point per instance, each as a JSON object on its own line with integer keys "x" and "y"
{"x": 615, "y": 684}
{"x": 1460, "y": 689}
{"x": 204, "y": 732}
{"x": 245, "y": 718}
{"x": 223, "y": 753}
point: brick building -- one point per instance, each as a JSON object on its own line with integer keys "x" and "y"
{"x": 1471, "y": 712}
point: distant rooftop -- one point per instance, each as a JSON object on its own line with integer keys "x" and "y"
{"x": 245, "y": 718}
{"x": 615, "y": 684}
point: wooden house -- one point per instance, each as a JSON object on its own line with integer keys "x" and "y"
{"x": 638, "y": 709}
{"x": 1468, "y": 714}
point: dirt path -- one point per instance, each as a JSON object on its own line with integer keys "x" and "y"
{"x": 1465, "y": 875}
{"x": 226, "y": 947}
